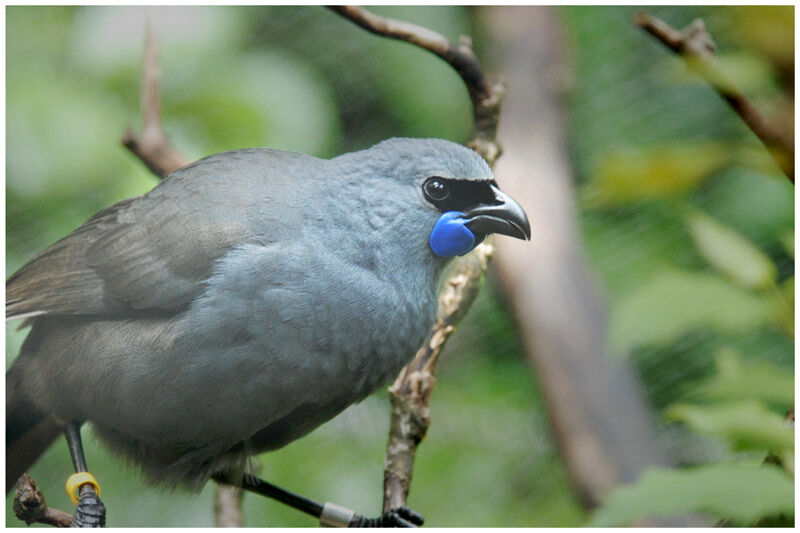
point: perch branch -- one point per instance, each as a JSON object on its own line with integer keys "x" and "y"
{"x": 411, "y": 391}
{"x": 30, "y": 506}
{"x": 696, "y": 47}
{"x": 410, "y": 394}
{"x": 152, "y": 146}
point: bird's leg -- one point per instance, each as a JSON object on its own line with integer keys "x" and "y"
{"x": 329, "y": 514}
{"x": 89, "y": 510}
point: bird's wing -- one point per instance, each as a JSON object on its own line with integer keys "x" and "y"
{"x": 146, "y": 255}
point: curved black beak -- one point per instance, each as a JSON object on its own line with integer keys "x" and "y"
{"x": 504, "y": 216}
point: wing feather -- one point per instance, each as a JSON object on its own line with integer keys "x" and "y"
{"x": 138, "y": 256}
{"x": 152, "y": 254}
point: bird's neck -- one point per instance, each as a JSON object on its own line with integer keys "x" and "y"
{"x": 409, "y": 267}
{"x": 376, "y": 229}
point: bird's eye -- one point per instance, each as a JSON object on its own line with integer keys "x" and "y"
{"x": 435, "y": 189}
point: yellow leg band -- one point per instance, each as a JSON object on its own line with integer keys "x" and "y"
{"x": 75, "y": 481}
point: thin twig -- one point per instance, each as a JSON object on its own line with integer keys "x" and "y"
{"x": 411, "y": 391}
{"x": 695, "y": 45}
{"x": 460, "y": 57}
{"x": 486, "y": 97}
{"x": 152, "y": 146}
{"x": 30, "y": 506}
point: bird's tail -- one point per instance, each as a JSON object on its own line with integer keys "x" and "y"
{"x": 29, "y": 432}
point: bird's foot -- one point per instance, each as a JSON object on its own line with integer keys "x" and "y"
{"x": 399, "y": 517}
{"x": 90, "y": 511}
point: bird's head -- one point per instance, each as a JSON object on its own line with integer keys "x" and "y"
{"x": 448, "y": 191}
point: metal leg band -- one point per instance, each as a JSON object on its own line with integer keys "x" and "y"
{"x": 335, "y": 515}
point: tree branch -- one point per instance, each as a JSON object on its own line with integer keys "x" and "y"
{"x": 486, "y": 97}
{"x": 460, "y": 57}
{"x": 696, "y": 47}
{"x": 411, "y": 391}
{"x": 30, "y": 506}
{"x": 152, "y": 146}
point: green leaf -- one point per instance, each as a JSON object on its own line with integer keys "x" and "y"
{"x": 746, "y": 425}
{"x": 730, "y": 253}
{"x": 663, "y": 171}
{"x": 787, "y": 240}
{"x": 784, "y": 306}
{"x": 752, "y": 72}
{"x": 757, "y": 380}
{"x": 675, "y": 302}
{"x": 737, "y": 491}
{"x": 758, "y": 204}
{"x": 768, "y": 29}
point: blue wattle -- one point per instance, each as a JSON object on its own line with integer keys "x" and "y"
{"x": 450, "y": 235}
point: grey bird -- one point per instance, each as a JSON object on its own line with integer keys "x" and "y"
{"x": 245, "y": 300}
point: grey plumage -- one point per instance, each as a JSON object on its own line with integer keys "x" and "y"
{"x": 246, "y": 299}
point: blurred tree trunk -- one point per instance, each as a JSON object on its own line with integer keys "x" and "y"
{"x": 596, "y": 406}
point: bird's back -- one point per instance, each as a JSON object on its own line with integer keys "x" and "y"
{"x": 151, "y": 254}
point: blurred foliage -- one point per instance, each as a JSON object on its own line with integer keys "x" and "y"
{"x": 755, "y": 380}
{"x": 748, "y": 424}
{"x": 743, "y": 489}
{"x": 675, "y": 302}
{"x": 740, "y": 491}
{"x": 686, "y": 221}
{"x": 690, "y": 225}
{"x": 730, "y": 253}
{"x": 663, "y": 171}
{"x": 768, "y": 30}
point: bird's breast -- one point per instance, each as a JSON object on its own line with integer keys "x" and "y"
{"x": 279, "y": 328}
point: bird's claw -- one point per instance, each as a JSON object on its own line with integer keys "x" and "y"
{"x": 399, "y": 517}
{"x": 90, "y": 511}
